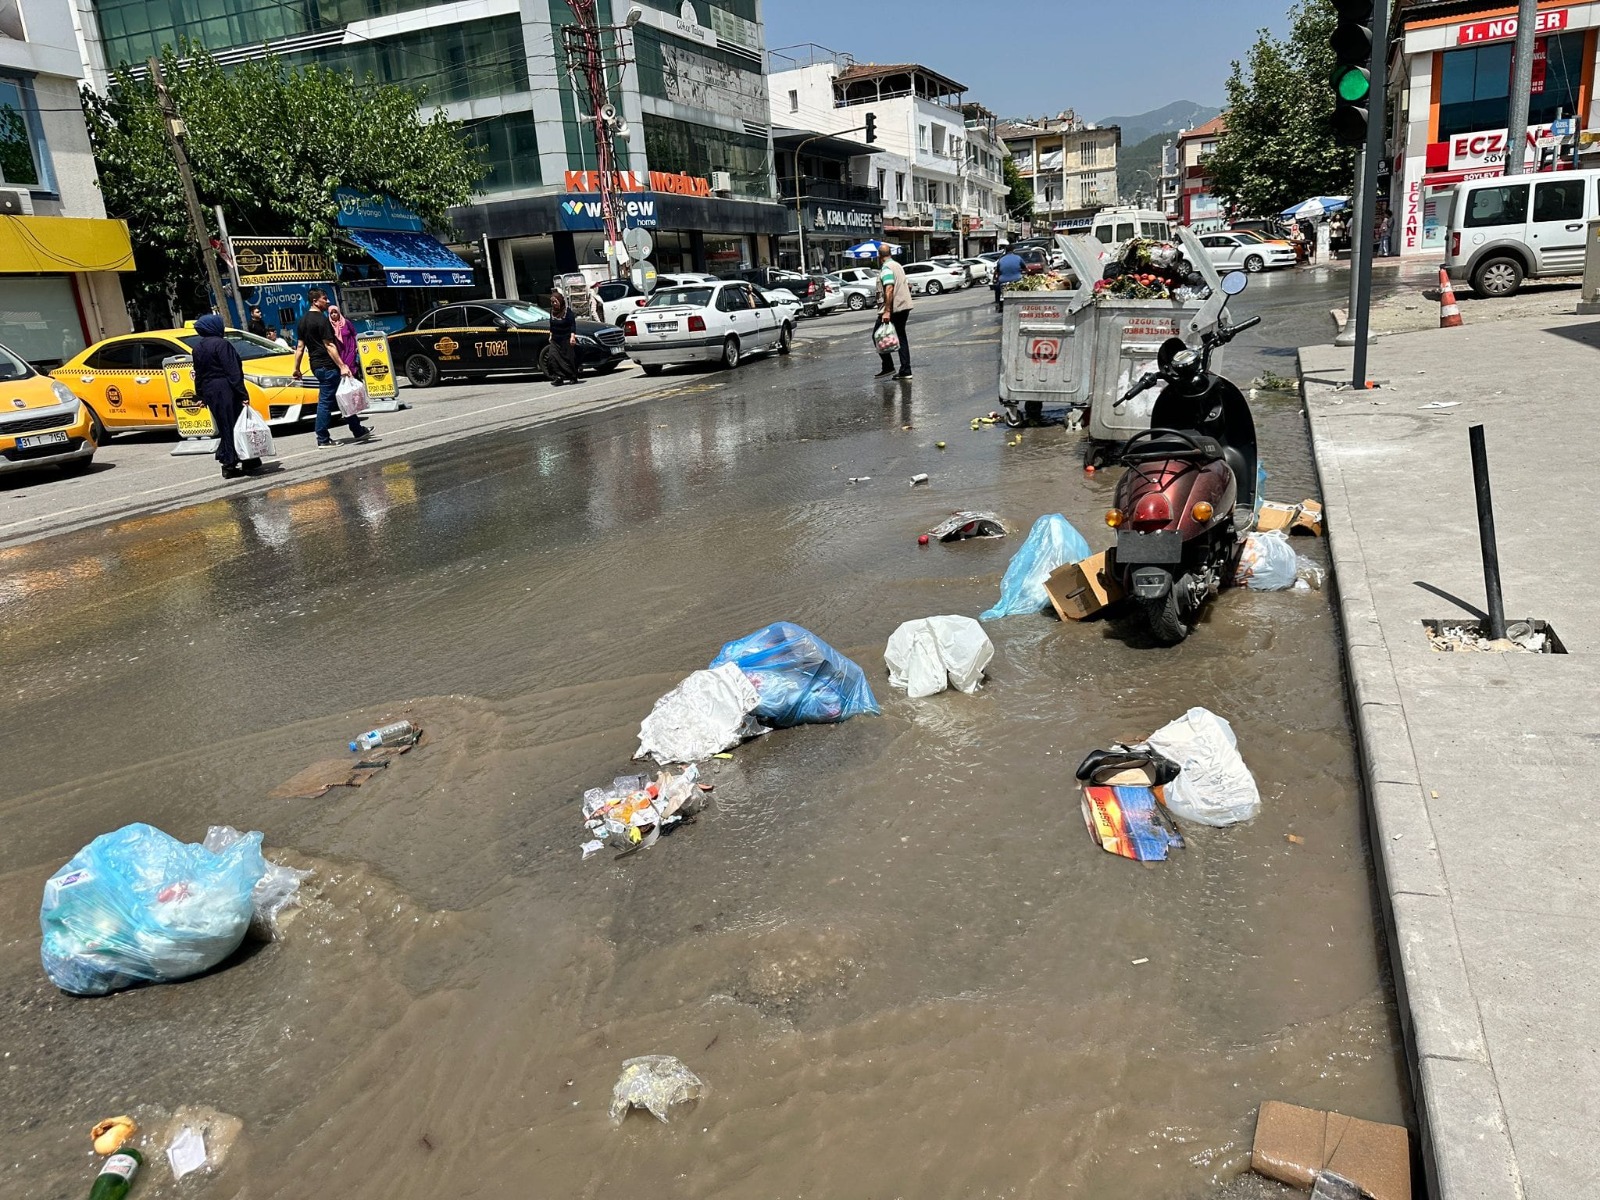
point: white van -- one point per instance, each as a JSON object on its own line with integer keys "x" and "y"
{"x": 1114, "y": 227}
{"x": 1503, "y": 231}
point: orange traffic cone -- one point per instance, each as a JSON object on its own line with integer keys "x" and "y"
{"x": 1449, "y": 310}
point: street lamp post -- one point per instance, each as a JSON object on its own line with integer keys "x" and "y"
{"x": 799, "y": 190}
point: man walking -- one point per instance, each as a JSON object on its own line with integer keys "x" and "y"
{"x": 1008, "y": 270}
{"x": 896, "y": 312}
{"x": 316, "y": 340}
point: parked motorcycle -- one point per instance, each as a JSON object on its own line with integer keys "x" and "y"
{"x": 1188, "y": 493}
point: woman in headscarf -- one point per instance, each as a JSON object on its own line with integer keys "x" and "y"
{"x": 219, "y": 382}
{"x": 345, "y": 334}
{"x": 563, "y": 349}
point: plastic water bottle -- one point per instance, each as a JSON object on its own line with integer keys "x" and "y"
{"x": 388, "y": 735}
{"x": 116, "y": 1177}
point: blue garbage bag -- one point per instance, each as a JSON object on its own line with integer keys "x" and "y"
{"x": 799, "y": 677}
{"x": 1052, "y": 543}
{"x": 137, "y": 905}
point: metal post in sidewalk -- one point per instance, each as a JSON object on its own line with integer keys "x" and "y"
{"x": 172, "y": 125}
{"x": 1521, "y": 86}
{"x": 1347, "y": 335}
{"x": 238, "y": 308}
{"x": 1377, "y": 126}
{"x": 1496, "y": 605}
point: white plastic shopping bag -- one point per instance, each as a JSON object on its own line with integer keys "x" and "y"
{"x": 1213, "y": 786}
{"x": 885, "y": 338}
{"x": 352, "y": 396}
{"x": 929, "y": 655}
{"x": 251, "y": 437}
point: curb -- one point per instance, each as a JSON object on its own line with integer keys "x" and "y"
{"x": 1465, "y": 1139}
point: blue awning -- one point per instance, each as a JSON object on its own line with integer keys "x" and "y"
{"x": 412, "y": 259}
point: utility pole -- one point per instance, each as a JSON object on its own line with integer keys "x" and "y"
{"x": 586, "y": 59}
{"x": 173, "y": 124}
{"x": 1521, "y": 85}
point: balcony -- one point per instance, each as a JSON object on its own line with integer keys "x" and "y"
{"x": 828, "y": 189}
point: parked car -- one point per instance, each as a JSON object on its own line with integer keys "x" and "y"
{"x": 1114, "y": 227}
{"x": 1035, "y": 259}
{"x": 808, "y": 289}
{"x": 870, "y": 275}
{"x": 493, "y": 337}
{"x": 121, "y": 382}
{"x": 615, "y": 299}
{"x": 980, "y": 268}
{"x": 784, "y": 301}
{"x": 958, "y": 264}
{"x": 931, "y": 278}
{"x": 1237, "y": 251}
{"x": 707, "y": 322}
{"x": 858, "y": 293}
{"x": 682, "y": 278}
{"x": 1502, "y": 232}
{"x": 42, "y": 422}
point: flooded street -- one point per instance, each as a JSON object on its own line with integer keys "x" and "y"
{"x": 888, "y": 946}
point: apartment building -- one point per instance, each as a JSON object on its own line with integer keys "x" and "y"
{"x": 1071, "y": 165}
{"x": 1198, "y": 206}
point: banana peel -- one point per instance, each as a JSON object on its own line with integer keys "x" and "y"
{"x": 110, "y": 1134}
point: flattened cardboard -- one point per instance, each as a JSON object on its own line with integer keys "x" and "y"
{"x": 1081, "y": 589}
{"x": 1294, "y": 1144}
{"x": 1305, "y": 517}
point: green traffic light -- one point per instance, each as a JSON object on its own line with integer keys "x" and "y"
{"x": 1353, "y": 85}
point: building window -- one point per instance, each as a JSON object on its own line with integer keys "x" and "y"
{"x": 883, "y": 176}
{"x": 900, "y": 187}
{"x": 794, "y": 101}
{"x": 1475, "y": 84}
{"x": 510, "y": 151}
{"x": 1088, "y": 152}
{"x": 922, "y": 137}
{"x": 701, "y": 150}
{"x": 24, "y": 161}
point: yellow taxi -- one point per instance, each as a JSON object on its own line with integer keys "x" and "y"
{"x": 121, "y": 383}
{"x": 41, "y": 422}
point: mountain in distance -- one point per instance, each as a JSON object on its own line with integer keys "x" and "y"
{"x": 1169, "y": 119}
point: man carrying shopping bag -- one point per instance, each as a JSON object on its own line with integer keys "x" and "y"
{"x": 318, "y": 343}
{"x": 896, "y": 312}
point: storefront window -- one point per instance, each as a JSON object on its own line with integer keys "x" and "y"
{"x": 39, "y": 319}
{"x": 726, "y": 256}
{"x": 1475, "y": 85}
{"x": 21, "y": 147}
{"x": 533, "y": 261}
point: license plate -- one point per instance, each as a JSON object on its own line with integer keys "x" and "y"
{"x": 41, "y": 439}
{"x": 1135, "y": 549}
{"x": 661, "y": 326}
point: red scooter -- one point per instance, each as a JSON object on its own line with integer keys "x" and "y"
{"x": 1178, "y": 537}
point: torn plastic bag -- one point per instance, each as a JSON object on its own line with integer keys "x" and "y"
{"x": 799, "y": 677}
{"x": 656, "y": 1082}
{"x": 1051, "y": 543}
{"x": 929, "y": 655}
{"x": 137, "y": 905}
{"x": 277, "y": 889}
{"x": 1308, "y": 574}
{"x": 704, "y": 715}
{"x": 1213, "y": 786}
{"x": 633, "y": 811}
{"x": 1267, "y": 563}
{"x": 963, "y": 525}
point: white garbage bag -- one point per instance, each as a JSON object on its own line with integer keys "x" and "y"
{"x": 706, "y": 714}
{"x": 1213, "y": 787}
{"x": 1268, "y": 563}
{"x": 931, "y": 654}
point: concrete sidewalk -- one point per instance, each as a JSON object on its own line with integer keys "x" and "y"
{"x": 1481, "y": 767}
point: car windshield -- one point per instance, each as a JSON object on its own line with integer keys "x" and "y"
{"x": 524, "y": 315}
{"x": 680, "y": 297}
{"x": 247, "y": 344}
{"x": 12, "y": 367}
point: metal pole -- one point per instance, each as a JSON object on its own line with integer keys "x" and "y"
{"x": 1377, "y": 126}
{"x": 1521, "y": 85}
{"x": 594, "y": 73}
{"x": 173, "y": 125}
{"x": 1347, "y": 336}
{"x": 488, "y": 264}
{"x": 1486, "y": 539}
{"x": 233, "y": 270}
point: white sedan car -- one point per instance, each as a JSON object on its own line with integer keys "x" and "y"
{"x": 931, "y": 278}
{"x": 784, "y": 300}
{"x": 1237, "y": 251}
{"x": 706, "y": 322}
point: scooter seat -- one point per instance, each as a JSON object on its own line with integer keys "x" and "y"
{"x": 1204, "y": 449}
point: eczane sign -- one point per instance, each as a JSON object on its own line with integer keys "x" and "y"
{"x": 1487, "y": 148}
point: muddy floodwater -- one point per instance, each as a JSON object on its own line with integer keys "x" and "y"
{"x": 888, "y": 946}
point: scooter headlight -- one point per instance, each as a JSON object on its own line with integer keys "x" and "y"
{"x": 1185, "y": 359}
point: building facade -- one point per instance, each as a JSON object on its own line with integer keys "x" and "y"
{"x": 1071, "y": 165}
{"x": 695, "y": 162}
{"x": 1450, "y": 97}
{"x": 60, "y": 258}
{"x": 1198, "y": 206}
{"x": 938, "y": 172}
{"x": 1169, "y": 183}
{"x": 829, "y": 209}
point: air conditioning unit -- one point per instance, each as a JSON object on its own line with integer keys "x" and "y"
{"x": 16, "y": 202}
{"x": 721, "y": 181}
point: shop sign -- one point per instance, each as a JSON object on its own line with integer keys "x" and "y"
{"x": 686, "y": 24}
{"x": 1413, "y": 213}
{"x": 826, "y": 219}
{"x": 1487, "y": 148}
{"x": 1505, "y": 28}
{"x": 670, "y": 182}
{"x": 369, "y": 210}
{"x": 279, "y": 260}
{"x": 580, "y": 214}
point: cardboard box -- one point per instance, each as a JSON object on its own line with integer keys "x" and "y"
{"x": 1081, "y": 589}
{"x": 1305, "y": 517}
{"x": 1294, "y": 1144}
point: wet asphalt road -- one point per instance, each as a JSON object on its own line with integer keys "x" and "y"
{"x": 887, "y": 945}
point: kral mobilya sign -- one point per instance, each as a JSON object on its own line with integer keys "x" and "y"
{"x": 279, "y": 260}
{"x": 641, "y": 181}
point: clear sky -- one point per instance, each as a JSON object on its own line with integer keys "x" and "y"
{"x": 1100, "y": 57}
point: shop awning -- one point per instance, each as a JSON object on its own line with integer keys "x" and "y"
{"x": 412, "y": 259}
{"x": 56, "y": 245}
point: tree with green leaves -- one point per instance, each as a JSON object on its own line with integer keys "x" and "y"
{"x": 270, "y": 144}
{"x": 1279, "y": 147}
{"x": 1019, "y": 193}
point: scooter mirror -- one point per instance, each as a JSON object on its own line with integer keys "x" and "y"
{"x": 1235, "y": 282}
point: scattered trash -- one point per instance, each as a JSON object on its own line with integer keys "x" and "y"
{"x": 1294, "y": 839}
{"x": 199, "y": 1139}
{"x": 400, "y": 733}
{"x": 1299, "y": 1145}
{"x": 1122, "y": 794}
{"x": 1457, "y": 636}
{"x": 187, "y": 1152}
{"x": 931, "y": 654}
{"x": 1081, "y": 589}
{"x": 109, "y": 1134}
{"x": 1213, "y": 787}
{"x": 960, "y": 526}
{"x": 1050, "y": 543}
{"x": 729, "y": 757}
{"x": 656, "y": 1082}
{"x": 938, "y": 445}
{"x": 1267, "y": 563}
{"x": 137, "y": 905}
{"x": 1139, "y": 962}
{"x": 798, "y": 677}
{"x": 705, "y": 714}
{"x": 329, "y": 773}
{"x": 1305, "y": 517}
{"x": 922, "y": 539}
{"x": 633, "y": 811}
{"x": 276, "y": 890}
{"x": 860, "y": 479}
{"x": 1336, "y": 1187}
{"x": 1438, "y": 404}
{"x": 1308, "y": 574}
{"x": 116, "y": 1177}
{"x": 916, "y": 479}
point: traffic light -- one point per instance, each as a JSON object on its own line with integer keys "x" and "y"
{"x": 1351, "y": 41}
{"x": 872, "y": 129}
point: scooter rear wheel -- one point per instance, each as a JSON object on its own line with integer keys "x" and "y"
{"x": 1170, "y": 618}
